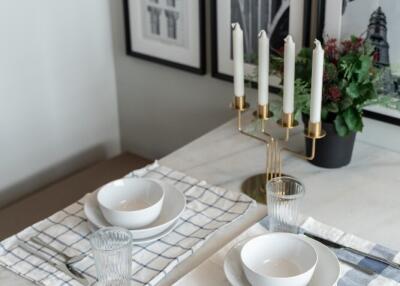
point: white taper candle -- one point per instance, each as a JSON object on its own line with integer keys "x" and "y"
{"x": 238, "y": 66}
{"x": 288, "y": 79}
{"x": 316, "y": 83}
{"x": 263, "y": 68}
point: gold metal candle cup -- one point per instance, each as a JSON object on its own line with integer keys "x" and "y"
{"x": 315, "y": 130}
{"x": 240, "y": 103}
{"x": 287, "y": 120}
{"x": 263, "y": 112}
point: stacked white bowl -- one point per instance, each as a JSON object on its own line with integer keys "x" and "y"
{"x": 278, "y": 259}
{"x": 131, "y": 202}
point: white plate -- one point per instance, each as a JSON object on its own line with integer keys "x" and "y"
{"x": 326, "y": 273}
{"x": 173, "y": 206}
{"x": 149, "y": 239}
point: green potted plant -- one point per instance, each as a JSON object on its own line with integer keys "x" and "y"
{"x": 348, "y": 86}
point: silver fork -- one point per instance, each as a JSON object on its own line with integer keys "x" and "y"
{"x": 66, "y": 268}
{"x": 68, "y": 259}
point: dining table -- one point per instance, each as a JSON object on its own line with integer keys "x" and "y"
{"x": 362, "y": 198}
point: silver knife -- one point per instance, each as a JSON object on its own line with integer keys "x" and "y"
{"x": 362, "y": 253}
{"x": 66, "y": 268}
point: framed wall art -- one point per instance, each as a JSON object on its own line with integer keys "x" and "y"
{"x": 169, "y": 32}
{"x": 379, "y": 23}
{"x": 277, "y": 17}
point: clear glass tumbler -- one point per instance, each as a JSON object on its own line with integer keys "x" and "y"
{"x": 112, "y": 251}
{"x": 284, "y": 197}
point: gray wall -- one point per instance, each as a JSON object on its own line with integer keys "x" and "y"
{"x": 58, "y": 109}
{"x": 162, "y": 108}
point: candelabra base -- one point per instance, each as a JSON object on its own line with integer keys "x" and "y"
{"x": 254, "y": 187}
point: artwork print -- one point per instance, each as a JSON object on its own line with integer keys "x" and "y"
{"x": 169, "y": 32}
{"x": 256, "y": 15}
{"x": 165, "y": 21}
{"x": 278, "y": 18}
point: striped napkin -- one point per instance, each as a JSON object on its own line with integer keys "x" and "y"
{"x": 211, "y": 271}
{"x": 210, "y": 209}
{"x": 385, "y": 275}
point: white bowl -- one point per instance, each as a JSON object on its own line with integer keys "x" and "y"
{"x": 278, "y": 259}
{"x": 131, "y": 202}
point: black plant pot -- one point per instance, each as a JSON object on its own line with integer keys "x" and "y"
{"x": 332, "y": 151}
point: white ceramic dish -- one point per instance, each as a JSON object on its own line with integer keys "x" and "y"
{"x": 173, "y": 206}
{"x": 145, "y": 240}
{"x": 131, "y": 202}
{"x": 278, "y": 259}
{"x": 327, "y": 271}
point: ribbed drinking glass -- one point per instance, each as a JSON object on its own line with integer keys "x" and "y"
{"x": 284, "y": 197}
{"x": 112, "y": 251}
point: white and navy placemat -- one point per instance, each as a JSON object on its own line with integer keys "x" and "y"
{"x": 349, "y": 276}
{"x": 385, "y": 275}
{"x": 210, "y": 208}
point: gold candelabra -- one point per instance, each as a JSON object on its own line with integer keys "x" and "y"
{"x": 255, "y": 186}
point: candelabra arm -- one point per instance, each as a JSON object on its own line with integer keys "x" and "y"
{"x": 239, "y": 126}
{"x": 300, "y": 155}
{"x": 314, "y": 132}
{"x": 270, "y": 137}
{"x": 287, "y": 135}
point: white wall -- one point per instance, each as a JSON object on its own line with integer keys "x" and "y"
{"x": 58, "y": 109}
{"x": 162, "y": 108}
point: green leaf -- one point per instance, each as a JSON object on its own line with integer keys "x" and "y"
{"x": 332, "y": 107}
{"x": 353, "y": 38}
{"x": 368, "y": 91}
{"x": 331, "y": 71}
{"x": 343, "y": 83}
{"x": 340, "y": 126}
{"x": 346, "y": 103}
{"x": 353, "y": 119}
{"x": 305, "y": 54}
{"x": 304, "y": 65}
{"x": 365, "y": 65}
{"x": 301, "y": 96}
{"x": 324, "y": 112}
{"x": 347, "y": 65}
{"x": 352, "y": 90}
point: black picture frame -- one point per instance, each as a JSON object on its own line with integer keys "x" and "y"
{"x": 320, "y": 16}
{"x": 214, "y": 43}
{"x": 201, "y": 70}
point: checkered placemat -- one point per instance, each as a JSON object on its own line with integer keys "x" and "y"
{"x": 385, "y": 275}
{"x": 210, "y": 208}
